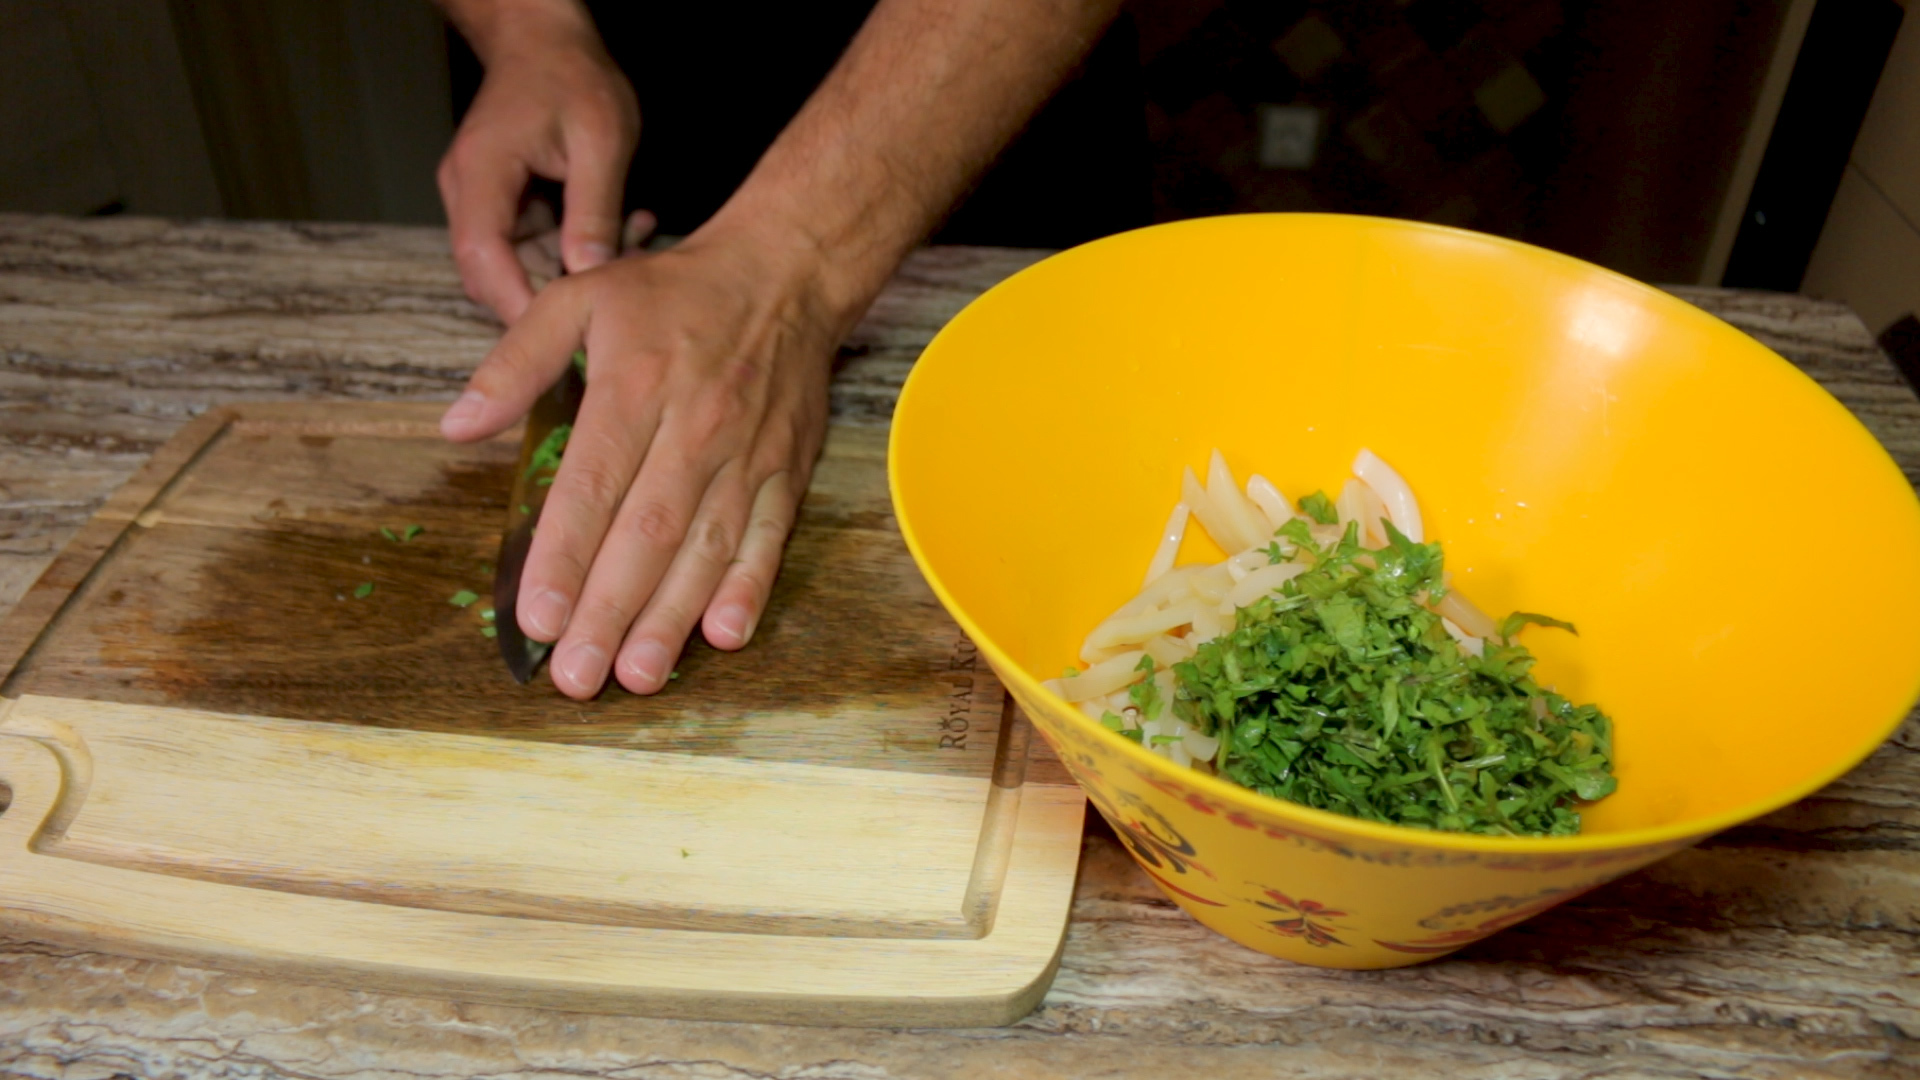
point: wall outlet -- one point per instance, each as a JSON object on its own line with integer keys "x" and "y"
{"x": 1289, "y": 136}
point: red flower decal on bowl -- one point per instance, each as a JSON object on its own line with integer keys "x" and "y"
{"x": 1309, "y": 920}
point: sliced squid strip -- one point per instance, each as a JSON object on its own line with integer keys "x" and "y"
{"x": 1220, "y": 527}
{"x": 1134, "y": 629}
{"x": 1247, "y": 521}
{"x": 1271, "y": 501}
{"x": 1402, "y": 507}
{"x": 1102, "y": 678}
{"x": 1263, "y": 581}
{"x": 1170, "y": 538}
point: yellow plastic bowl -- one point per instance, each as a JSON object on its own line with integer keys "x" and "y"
{"x": 1742, "y": 558}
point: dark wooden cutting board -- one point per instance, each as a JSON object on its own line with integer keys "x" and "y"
{"x": 223, "y": 752}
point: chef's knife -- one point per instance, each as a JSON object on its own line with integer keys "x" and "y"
{"x": 548, "y": 425}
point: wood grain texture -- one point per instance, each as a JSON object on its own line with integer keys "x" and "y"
{"x": 495, "y": 827}
{"x": 834, "y": 825}
{"x": 530, "y": 874}
{"x": 231, "y": 585}
{"x": 1786, "y": 948}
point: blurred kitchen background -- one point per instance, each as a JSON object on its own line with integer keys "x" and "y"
{"x": 1761, "y": 143}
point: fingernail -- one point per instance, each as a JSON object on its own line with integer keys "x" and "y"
{"x": 734, "y": 623}
{"x": 583, "y": 665}
{"x": 465, "y": 410}
{"x": 647, "y": 663}
{"x": 592, "y": 254}
{"x": 547, "y": 614}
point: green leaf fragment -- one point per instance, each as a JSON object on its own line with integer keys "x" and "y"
{"x": 547, "y": 454}
{"x": 1320, "y": 508}
{"x": 489, "y": 631}
{"x": 1519, "y": 620}
{"x": 363, "y": 590}
{"x": 1295, "y": 531}
{"x": 487, "y": 614}
{"x": 463, "y": 598}
{"x": 389, "y": 534}
{"x": 412, "y": 531}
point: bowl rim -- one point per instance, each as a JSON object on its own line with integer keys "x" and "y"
{"x": 1230, "y": 793}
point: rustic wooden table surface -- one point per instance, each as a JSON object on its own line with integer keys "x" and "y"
{"x": 1786, "y": 948}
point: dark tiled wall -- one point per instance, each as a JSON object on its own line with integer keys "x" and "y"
{"x": 1441, "y": 110}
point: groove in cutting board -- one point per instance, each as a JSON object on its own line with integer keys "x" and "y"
{"x": 217, "y": 753}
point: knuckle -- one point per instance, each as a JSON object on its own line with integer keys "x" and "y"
{"x": 657, "y": 523}
{"x": 461, "y": 156}
{"x": 745, "y": 385}
{"x": 598, "y": 124}
{"x": 564, "y": 569}
{"x": 769, "y": 525}
{"x": 608, "y": 611}
{"x": 470, "y": 252}
{"x": 751, "y": 577}
{"x": 669, "y": 619}
{"x": 596, "y": 483}
{"x": 712, "y": 540}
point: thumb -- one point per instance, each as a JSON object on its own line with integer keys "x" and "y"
{"x": 526, "y": 360}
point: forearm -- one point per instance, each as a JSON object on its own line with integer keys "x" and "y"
{"x": 924, "y": 98}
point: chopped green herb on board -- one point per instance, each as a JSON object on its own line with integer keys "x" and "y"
{"x": 412, "y": 531}
{"x": 1343, "y": 691}
{"x": 363, "y": 590}
{"x": 389, "y": 534}
{"x": 547, "y": 454}
{"x": 463, "y": 598}
{"x": 488, "y": 631}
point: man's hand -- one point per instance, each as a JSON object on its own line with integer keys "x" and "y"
{"x": 553, "y": 105}
{"x": 707, "y": 365}
{"x": 706, "y": 405}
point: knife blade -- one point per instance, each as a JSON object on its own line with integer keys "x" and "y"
{"x": 549, "y": 423}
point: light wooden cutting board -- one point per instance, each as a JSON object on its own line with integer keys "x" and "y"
{"x": 215, "y": 751}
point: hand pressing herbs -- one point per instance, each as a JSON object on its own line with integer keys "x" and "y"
{"x": 1344, "y": 692}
